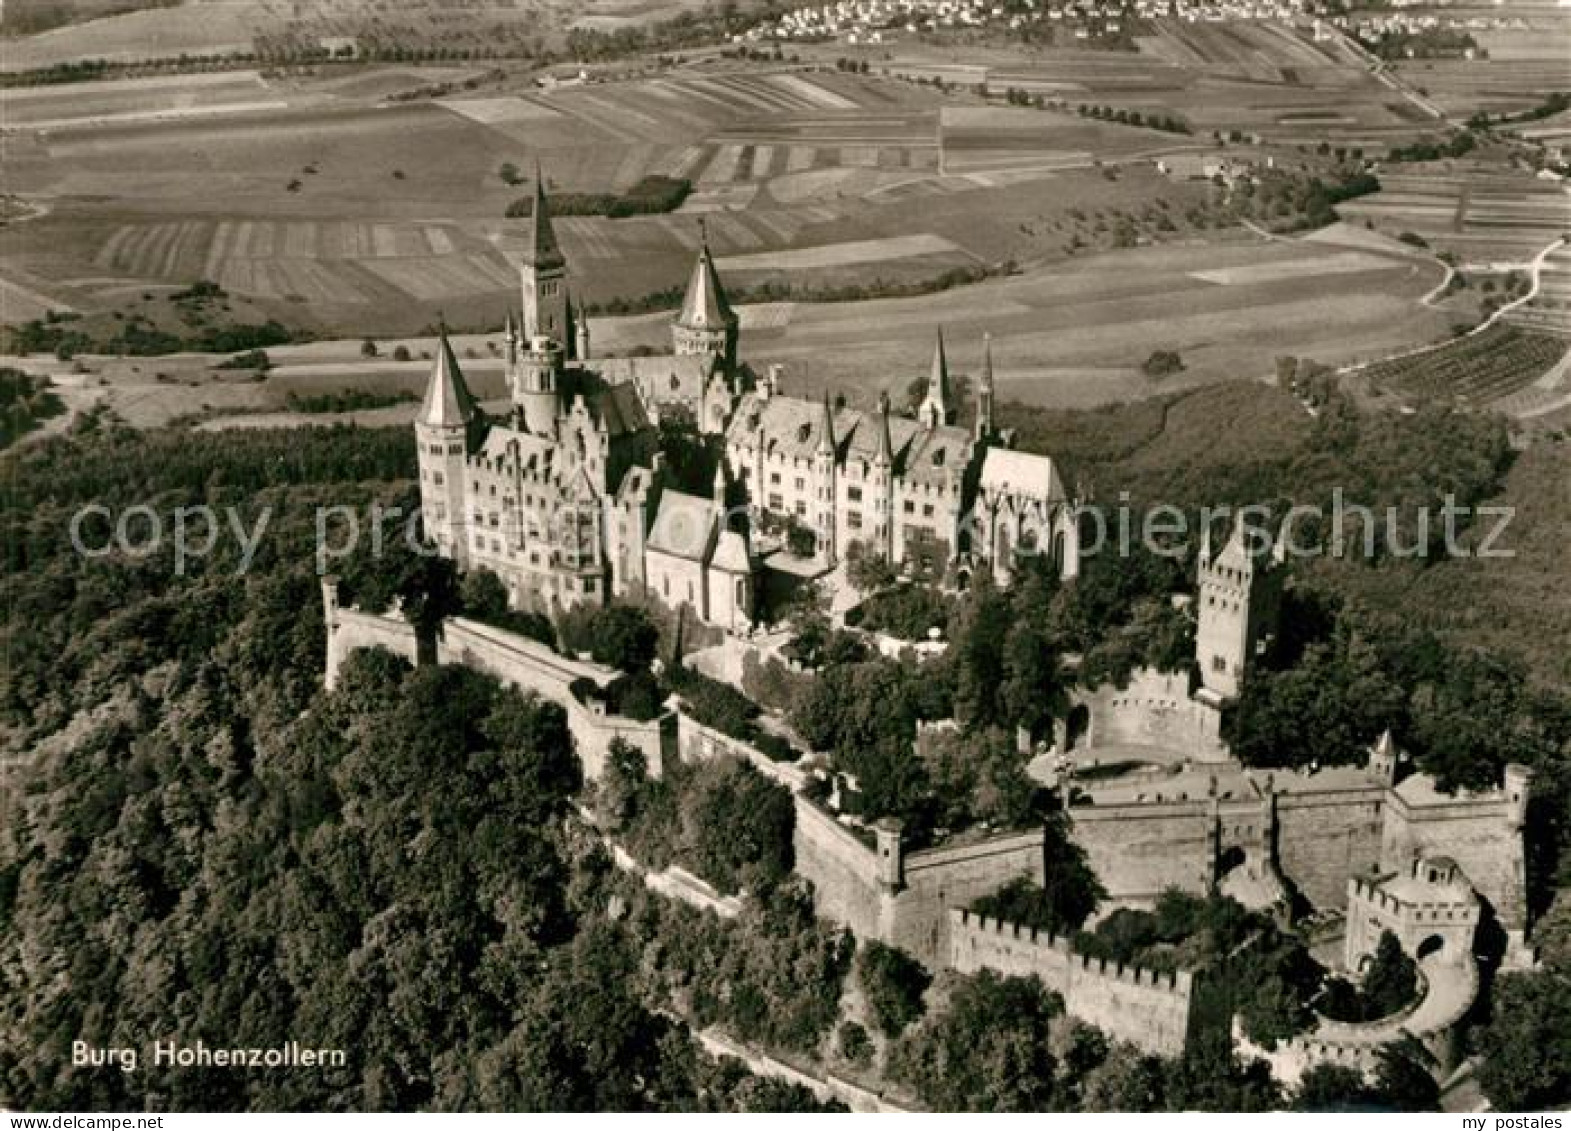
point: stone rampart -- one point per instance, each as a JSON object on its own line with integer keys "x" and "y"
{"x": 1150, "y": 1009}
{"x": 1153, "y": 709}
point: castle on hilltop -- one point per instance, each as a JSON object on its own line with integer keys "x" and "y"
{"x": 566, "y": 497}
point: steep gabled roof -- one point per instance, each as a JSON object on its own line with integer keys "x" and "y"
{"x": 447, "y": 401}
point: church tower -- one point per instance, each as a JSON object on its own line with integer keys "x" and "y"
{"x": 544, "y": 277}
{"x": 938, "y": 406}
{"x": 1239, "y": 594}
{"x": 448, "y": 420}
{"x": 707, "y": 324}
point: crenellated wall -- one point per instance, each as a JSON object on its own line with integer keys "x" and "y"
{"x": 937, "y": 880}
{"x": 1483, "y": 834}
{"x": 1153, "y": 709}
{"x": 1149, "y": 1009}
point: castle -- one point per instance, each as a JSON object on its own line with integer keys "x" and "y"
{"x": 566, "y": 497}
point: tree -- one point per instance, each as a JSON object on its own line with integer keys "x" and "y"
{"x": 893, "y": 983}
{"x": 989, "y": 1051}
{"x": 1162, "y": 363}
{"x": 625, "y": 638}
{"x": 1526, "y": 1047}
{"x": 1333, "y": 1087}
{"x": 1391, "y": 981}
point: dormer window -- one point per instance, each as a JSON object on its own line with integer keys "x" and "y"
{"x": 803, "y": 432}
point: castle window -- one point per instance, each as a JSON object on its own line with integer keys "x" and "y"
{"x": 927, "y": 510}
{"x": 854, "y": 520}
{"x": 1218, "y": 663}
{"x": 436, "y": 477}
{"x": 801, "y": 508}
{"x": 776, "y": 502}
{"x": 800, "y": 483}
{"x": 910, "y": 507}
{"x": 854, "y": 494}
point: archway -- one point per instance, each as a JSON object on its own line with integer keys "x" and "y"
{"x": 1434, "y": 944}
{"x": 1077, "y": 725}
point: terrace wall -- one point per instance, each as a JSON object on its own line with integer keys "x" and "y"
{"x": 510, "y": 658}
{"x": 1322, "y": 838}
{"x": 1153, "y": 1011}
{"x": 1482, "y": 834}
{"x": 1139, "y": 850}
{"x": 843, "y": 870}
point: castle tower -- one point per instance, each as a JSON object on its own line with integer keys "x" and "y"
{"x": 1238, "y": 594}
{"x": 707, "y": 324}
{"x": 448, "y": 420}
{"x": 984, "y": 392}
{"x": 544, "y": 277}
{"x": 533, "y": 379}
{"x": 824, "y": 461}
{"x": 938, "y": 406}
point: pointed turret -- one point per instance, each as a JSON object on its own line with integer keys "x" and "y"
{"x": 719, "y": 490}
{"x": 937, "y": 407}
{"x": 885, "y": 455}
{"x": 543, "y": 251}
{"x": 447, "y": 401}
{"x": 706, "y": 324}
{"x": 826, "y": 428}
{"x": 984, "y": 391}
{"x": 580, "y": 332}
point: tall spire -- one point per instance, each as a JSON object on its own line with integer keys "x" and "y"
{"x": 885, "y": 455}
{"x": 937, "y": 406}
{"x": 826, "y": 428}
{"x": 705, "y": 306}
{"x": 447, "y": 401}
{"x": 984, "y": 391}
{"x": 543, "y": 250}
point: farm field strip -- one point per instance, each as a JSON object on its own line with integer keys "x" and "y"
{"x": 840, "y": 254}
{"x": 1342, "y": 263}
{"x": 492, "y": 111}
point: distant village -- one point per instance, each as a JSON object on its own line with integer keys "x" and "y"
{"x": 880, "y": 22}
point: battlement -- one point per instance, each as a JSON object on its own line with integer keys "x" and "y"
{"x": 1181, "y": 981}
{"x": 1372, "y": 892}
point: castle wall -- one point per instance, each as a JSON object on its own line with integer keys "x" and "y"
{"x": 1154, "y": 709}
{"x": 531, "y": 666}
{"x": 698, "y": 743}
{"x": 939, "y": 879}
{"x": 1139, "y": 850}
{"x": 1148, "y": 1009}
{"x": 1479, "y": 833}
{"x": 842, "y": 869}
{"x": 1324, "y": 837}
{"x": 349, "y": 629}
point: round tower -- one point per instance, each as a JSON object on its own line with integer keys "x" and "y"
{"x": 533, "y": 382}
